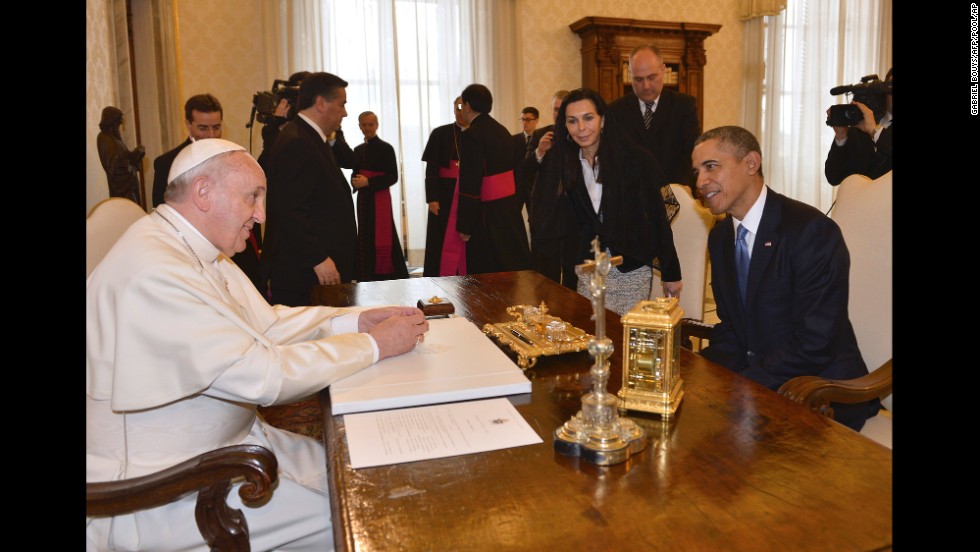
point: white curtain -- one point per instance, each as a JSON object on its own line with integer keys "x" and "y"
{"x": 808, "y": 49}
{"x": 405, "y": 60}
{"x": 750, "y": 9}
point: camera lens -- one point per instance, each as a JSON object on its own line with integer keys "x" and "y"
{"x": 853, "y": 114}
{"x": 844, "y": 115}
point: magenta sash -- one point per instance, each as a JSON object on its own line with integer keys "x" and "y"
{"x": 382, "y": 227}
{"x": 497, "y": 186}
{"x": 453, "y": 261}
{"x": 452, "y": 171}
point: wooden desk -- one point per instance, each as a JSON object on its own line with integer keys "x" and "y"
{"x": 738, "y": 468}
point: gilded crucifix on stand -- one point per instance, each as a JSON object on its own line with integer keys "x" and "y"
{"x": 596, "y": 432}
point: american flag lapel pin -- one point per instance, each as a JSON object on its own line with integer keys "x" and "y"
{"x": 767, "y": 244}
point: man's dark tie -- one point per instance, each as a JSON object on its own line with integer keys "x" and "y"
{"x": 742, "y": 261}
{"x": 527, "y": 141}
{"x": 648, "y": 114}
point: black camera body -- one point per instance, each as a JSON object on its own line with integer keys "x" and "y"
{"x": 870, "y": 91}
{"x": 264, "y": 103}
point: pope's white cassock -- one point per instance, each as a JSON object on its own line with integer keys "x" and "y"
{"x": 181, "y": 348}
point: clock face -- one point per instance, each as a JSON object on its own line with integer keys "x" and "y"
{"x": 645, "y": 362}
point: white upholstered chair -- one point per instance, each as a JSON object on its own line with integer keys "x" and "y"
{"x": 106, "y": 222}
{"x": 690, "y": 230}
{"x": 864, "y": 213}
{"x": 863, "y": 210}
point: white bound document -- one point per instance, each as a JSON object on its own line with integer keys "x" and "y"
{"x": 456, "y": 362}
{"x": 438, "y": 431}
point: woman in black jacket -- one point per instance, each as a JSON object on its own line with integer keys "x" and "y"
{"x": 596, "y": 182}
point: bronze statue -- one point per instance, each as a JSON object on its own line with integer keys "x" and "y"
{"x": 120, "y": 164}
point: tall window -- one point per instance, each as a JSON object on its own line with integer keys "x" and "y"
{"x": 811, "y": 47}
{"x": 405, "y": 60}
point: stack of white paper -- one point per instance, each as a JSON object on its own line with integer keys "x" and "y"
{"x": 456, "y": 362}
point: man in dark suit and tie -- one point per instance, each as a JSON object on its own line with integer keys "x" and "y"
{"x": 534, "y": 146}
{"x": 311, "y": 234}
{"x": 779, "y": 274}
{"x": 865, "y": 148}
{"x": 202, "y": 118}
{"x": 662, "y": 120}
{"x": 521, "y": 141}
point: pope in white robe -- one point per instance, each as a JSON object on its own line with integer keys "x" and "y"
{"x": 181, "y": 348}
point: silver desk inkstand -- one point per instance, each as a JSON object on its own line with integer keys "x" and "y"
{"x": 596, "y": 432}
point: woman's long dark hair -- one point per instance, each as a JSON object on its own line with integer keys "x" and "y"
{"x": 630, "y": 186}
{"x": 611, "y": 148}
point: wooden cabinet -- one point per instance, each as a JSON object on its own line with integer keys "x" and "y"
{"x": 607, "y": 43}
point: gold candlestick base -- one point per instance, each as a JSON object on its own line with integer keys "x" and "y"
{"x": 597, "y": 434}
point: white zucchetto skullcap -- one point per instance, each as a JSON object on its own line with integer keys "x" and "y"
{"x": 198, "y": 152}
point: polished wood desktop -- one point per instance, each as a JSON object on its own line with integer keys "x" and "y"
{"x": 738, "y": 468}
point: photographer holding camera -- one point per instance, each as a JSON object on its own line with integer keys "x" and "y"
{"x": 862, "y": 136}
{"x": 285, "y": 98}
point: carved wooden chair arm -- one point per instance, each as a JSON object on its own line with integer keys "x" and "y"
{"x": 211, "y": 474}
{"x": 817, "y": 393}
{"x": 692, "y": 327}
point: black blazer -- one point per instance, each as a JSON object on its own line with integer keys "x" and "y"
{"x": 860, "y": 154}
{"x": 795, "y": 320}
{"x": 161, "y": 170}
{"x": 530, "y": 165}
{"x": 524, "y": 183}
{"x": 310, "y": 211}
{"x": 633, "y": 221}
{"x": 672, "y": 132}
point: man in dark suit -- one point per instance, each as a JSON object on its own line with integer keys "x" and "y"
{"x": 671, "y": 126}
{"x": 539, "y": 133}
{"x": 785, "y": 314}
{"x": 203, "y": 119}
{"x": 865, "y": 148}
{"x": 521, "y": 141}
{"x": 311, "y": 235}
{"x": 551, "y": 237}
{"x": 488, "y": 212}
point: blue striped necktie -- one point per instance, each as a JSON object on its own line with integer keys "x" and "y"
{"x": 742, "y": 261}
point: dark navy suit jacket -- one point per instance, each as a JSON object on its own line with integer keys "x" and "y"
{"x": 161, "y": 170}
{"x": 794, "y": 321}
{"x": 309, "y": 208}
{"x": 672, "y": 131}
